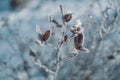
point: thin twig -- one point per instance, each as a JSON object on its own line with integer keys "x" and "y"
{"x": 58, "y": 60}
{"x": 61, "y": 9}
{"x": 60, "y": 45}
{"x": 38, "y": 62}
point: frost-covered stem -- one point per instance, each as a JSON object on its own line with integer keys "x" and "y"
{"x": 38, "y": 62}
{"x": 61, "y": 9}
{"x": 59, "y": 47}
{"x": 58, "y": 59}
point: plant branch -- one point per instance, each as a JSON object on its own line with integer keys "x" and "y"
{"x": 38, "y": 62}
{"x": 60, "y": 46}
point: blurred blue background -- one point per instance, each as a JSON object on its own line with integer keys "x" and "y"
{"x": 100, "y": 19}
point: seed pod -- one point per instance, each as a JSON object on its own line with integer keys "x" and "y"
{"x": 42, "y": 38}
{"x": 46, "y": 35}
{"x": 67, "y": 17}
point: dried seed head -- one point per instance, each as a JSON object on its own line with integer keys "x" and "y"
{"x": 67, "y": 17}
{"x": 46, "y": 35}
{"x": 42, "y": 37}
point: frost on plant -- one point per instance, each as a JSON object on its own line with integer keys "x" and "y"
{"x": 56, "y": 45}
{"x": 77, "y": 36}
{"x": 77, "y": 31}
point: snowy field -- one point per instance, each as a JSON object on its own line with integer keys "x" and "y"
{"x": 101, "y": 23}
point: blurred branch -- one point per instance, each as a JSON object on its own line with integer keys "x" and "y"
{"x": 38, "y": 62}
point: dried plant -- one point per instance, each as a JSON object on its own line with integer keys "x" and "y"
{"x": 77, "y": 36}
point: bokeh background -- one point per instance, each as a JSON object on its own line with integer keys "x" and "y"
{"x": 101, "y": 23}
